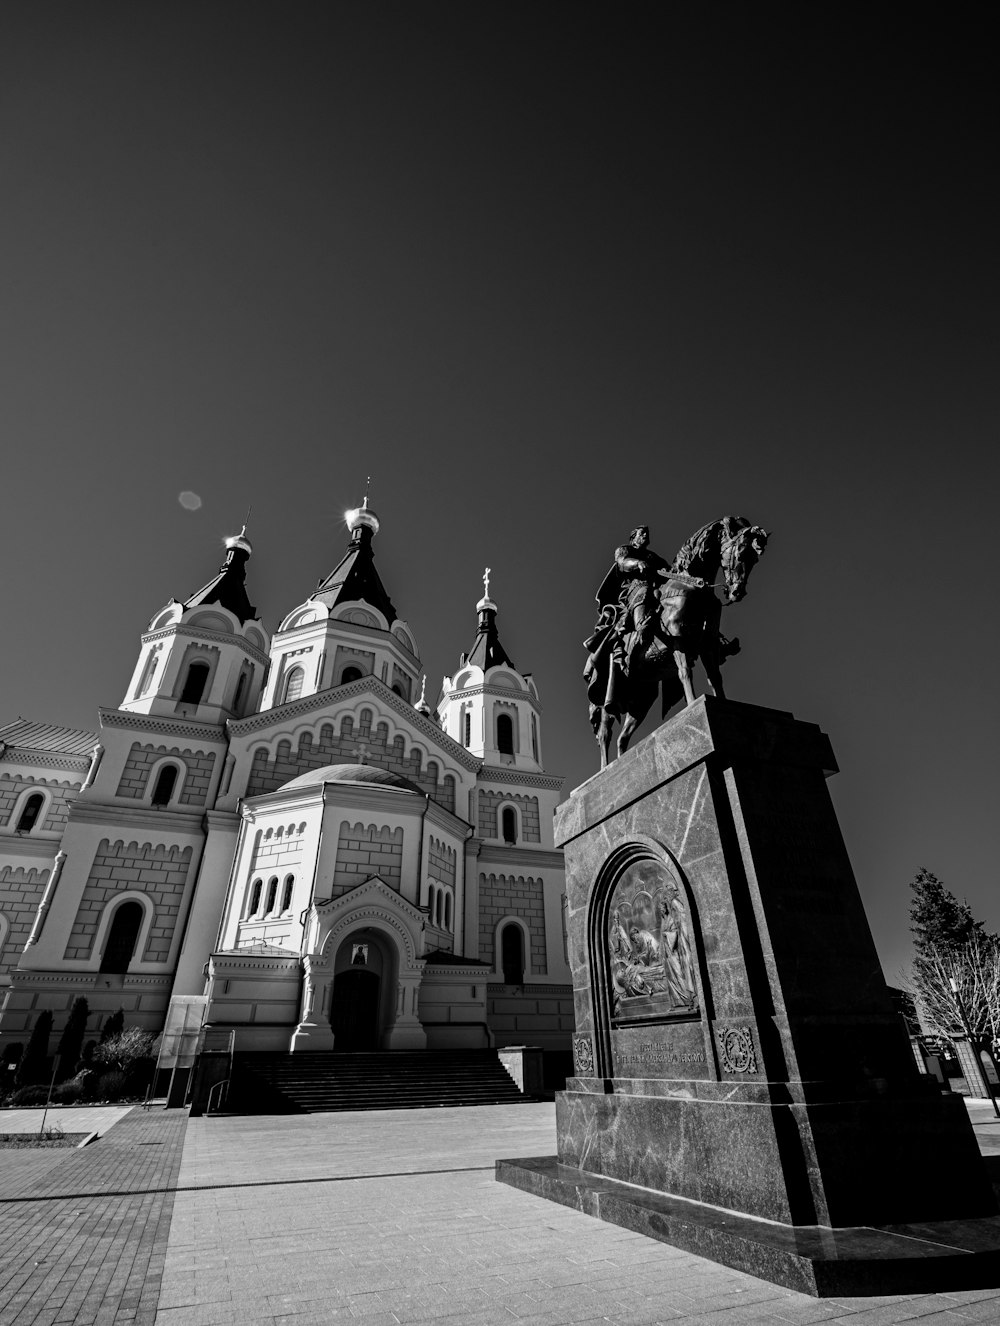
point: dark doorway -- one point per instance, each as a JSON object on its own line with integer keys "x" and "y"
{"x": 354, "y": 1016}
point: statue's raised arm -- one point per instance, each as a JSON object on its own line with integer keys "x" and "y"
{"x": 656, "y": 618}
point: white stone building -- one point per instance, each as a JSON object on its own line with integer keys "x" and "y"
{"x": 284, "y": 826}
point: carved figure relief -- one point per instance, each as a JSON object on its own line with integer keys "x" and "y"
{"x": 650, "y": 945}
{"x": 736, "y": 1050}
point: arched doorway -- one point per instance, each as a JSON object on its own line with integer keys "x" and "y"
{"x": 359, "y": 1007}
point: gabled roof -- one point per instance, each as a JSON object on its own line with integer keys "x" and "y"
{"x": 47, "y": 736}
{"x": 228, "y": 588}
{"x": 354, "y": 578}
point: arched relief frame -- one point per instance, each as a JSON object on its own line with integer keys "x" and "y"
{"x": 661, "y": 1006}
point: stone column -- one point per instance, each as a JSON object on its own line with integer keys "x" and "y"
{"x": 314, "y": 1031}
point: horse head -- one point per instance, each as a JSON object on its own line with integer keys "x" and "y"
{"x": 742, "y": 548}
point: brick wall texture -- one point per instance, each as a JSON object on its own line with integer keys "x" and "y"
{"x": 61, "y": 797}
{"x": 20, "y": 893}
{"x": 277, "y": 850}
{"x": 141, "y": 759}
{"x": 441, "y": 861}
{"x": 512, "y": 895}
{"x": 158, "y": 872}
{"x": 489, "y": 815}
{"x": 364, "y": 850}
{"x": 328, "y": 747}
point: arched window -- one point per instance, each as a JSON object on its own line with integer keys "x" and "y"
{"x": 447, "y": 911}
{"x": 272, "y": 894}
{"x": 439, "y": 908}
{"x": 241, "y": 686}
{"x": 467, "y": 729}
{"x": 534, "y": 737}
{"x": 30, "y": 812}
{"x": 254, "y": 907}
{"x": 119, "y": 944}
{"x": 508, "y": 825}
{"x": 147, "y": 675}
{"x": 505, "y": 735}
{"x": 164, "y": 787}
{"x": 398, "y": 690}
{"x": 350, "y": 674}
{"x": 293, "y": 685}
{"x": 195, "y": 683}
{"x": 512, "y": 954}
{"x": 286, "y": 900}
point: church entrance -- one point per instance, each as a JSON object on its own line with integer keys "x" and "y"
{"x": 362, "y": 995}
{"x": 354, "y": 1016}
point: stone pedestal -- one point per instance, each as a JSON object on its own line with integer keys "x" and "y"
{"x": 735, "y": 1044}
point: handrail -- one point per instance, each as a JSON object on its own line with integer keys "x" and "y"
{"x": 222, "y": 1087}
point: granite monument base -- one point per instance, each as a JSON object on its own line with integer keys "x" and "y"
{"x": 737, "y": 1055}
{"x": 920, "y": 1258}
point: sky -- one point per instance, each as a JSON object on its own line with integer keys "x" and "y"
{"x": 544, "y": 271}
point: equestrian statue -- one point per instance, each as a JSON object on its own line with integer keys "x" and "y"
{"x": 657, "y": 618}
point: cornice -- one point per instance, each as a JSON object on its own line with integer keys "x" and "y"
{"x": 443, "y": 818}
{"x": 260, "y": 962}
{"x": 222, "y": 819}
{"x": 491, "y": 773}
{"x": 328, "y": 625}
{"x": 463, "y": 969}
{"x": 222, "y": 637}
{"x": 27, "y": 845}
{"x": 520, "y": 858}
{"x": 45, "y": 759}
{"x": 356, "y": 796}
{"x": 126, "y": 819}
{"x": 495, "y": 693}
{"x": 211, "y": 733}
{"x": 47, "y": 976}
{"x": 337, "y": 696}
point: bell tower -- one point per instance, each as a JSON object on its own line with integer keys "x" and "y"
{"x": 488, "y": 706}
{"x": 348, "y": 629}
{"x": 204, "y": 658}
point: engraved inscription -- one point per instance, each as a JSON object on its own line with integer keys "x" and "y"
{"x": 650, "y": 945}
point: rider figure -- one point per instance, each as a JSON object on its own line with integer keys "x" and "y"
{"x": 641, "y": 575}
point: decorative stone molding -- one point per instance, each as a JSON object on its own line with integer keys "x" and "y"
{"x": 199, "y": 633}
{"x": 208, "y": 733}
{"x": 736, "y": 1049}
{"x": 46, "y": 760}
{"x": 583, "y": 1055}
{"x": 490, "y": 773}
{"x": 279, "y": 716}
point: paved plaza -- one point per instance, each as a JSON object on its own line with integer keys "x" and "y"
{"x": 387, "y": 1216}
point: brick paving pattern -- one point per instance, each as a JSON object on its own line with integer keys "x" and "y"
{"x": 393, "y": 1217}
{"x": 84, "y": 1233}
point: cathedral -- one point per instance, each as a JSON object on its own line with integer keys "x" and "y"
{"x": 283, "y": 836}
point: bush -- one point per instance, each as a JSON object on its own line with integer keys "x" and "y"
{"x": 33, "y": 1067}
{"x": 70, "y": 1091}
{"x": 126, "y": 1050}
{"x": 34, "y": 1095}
{"x": 111, "y": 1086}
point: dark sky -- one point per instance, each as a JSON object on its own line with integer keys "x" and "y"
{"x": 545, "y": 271}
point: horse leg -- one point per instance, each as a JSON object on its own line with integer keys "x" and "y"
{"x": 629, "y": 725}
{"x": 684, "y": 672}
{"x": 713, "y": 671}
{"x": 604, "y": 737}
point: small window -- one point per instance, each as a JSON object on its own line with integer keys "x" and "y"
{"x": 164, "y": 787}
{"x": 286, "y": 899}
{"x": 397, "y": 690}
{"x": 534, "y": 738}
{"x": 293, "y": 685}
{"x": 467, "y": 732}
{"x": 439, "y": 908}
{"x": 254, "y": 907}
{"x": 512, "y": 955}
{"x": 350, "y": 674}
{"x": 505, "y": 735}
{"x": 241, "y": 686}
{"x": 447, "y": 912}
{"x": 272, "y": 894}
{"x": 195, "y": 683}
{"x": 30, "y": 812}
{"x": 508, "y": 824}
{"x": 147, "y": 675}
{"x": 121, "y": 937}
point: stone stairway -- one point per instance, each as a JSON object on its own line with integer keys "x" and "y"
{"x": 391, "y": 1080}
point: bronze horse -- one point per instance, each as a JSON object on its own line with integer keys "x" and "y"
{"x": 687, "y": 628}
